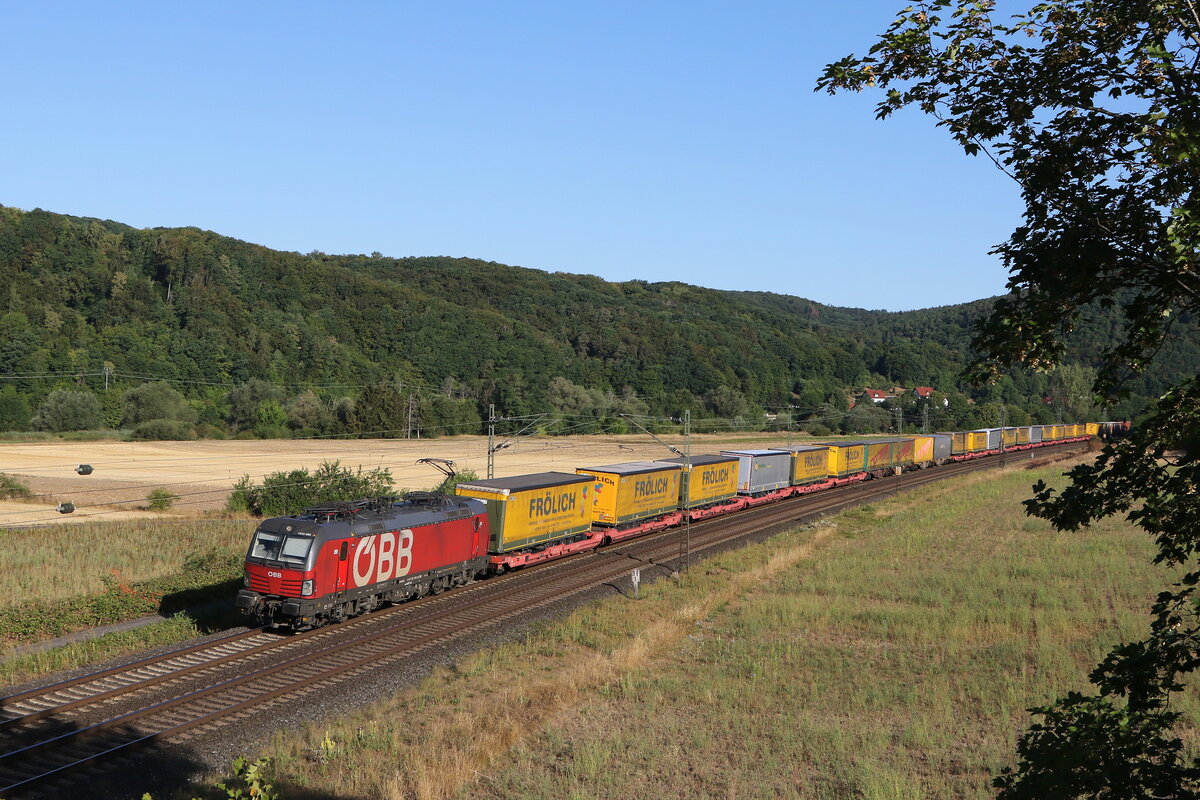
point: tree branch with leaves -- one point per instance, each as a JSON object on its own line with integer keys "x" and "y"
{"x": 1093, "y": 109}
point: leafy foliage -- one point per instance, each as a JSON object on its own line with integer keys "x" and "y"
{"x": 1093, "y": 108}
{"x": 352, "y": 345}
{"x": 160, "y": 500}
{"x": 11, "y": 487}
{"x": 283, "y": 493}
{"x": 65, "y": 410}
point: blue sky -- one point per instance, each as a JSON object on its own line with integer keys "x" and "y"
{"x": 652, "y": 140}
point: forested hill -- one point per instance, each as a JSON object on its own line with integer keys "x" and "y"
{"x": 214, "y": 315}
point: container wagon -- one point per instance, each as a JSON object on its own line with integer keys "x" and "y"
{"x": 533, "y": 517}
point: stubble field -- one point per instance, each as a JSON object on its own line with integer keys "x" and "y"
{"x": 201, "y": 473}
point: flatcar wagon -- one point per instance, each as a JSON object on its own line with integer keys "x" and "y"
{"x": 533, "y": 517}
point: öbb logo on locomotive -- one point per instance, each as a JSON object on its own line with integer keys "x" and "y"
{"x": 333, "y": 562}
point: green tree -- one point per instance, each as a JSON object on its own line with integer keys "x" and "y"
{"x": 270, "y": 419}
{"x": 1093, "y": 108}
{"x": 155, "y": 401}
{"x": 65, "y": 410}
{"x": 14, "y": 410}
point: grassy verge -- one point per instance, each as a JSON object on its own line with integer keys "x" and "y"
{"x": 18, "y": 669}
{"x": 889, "y": 653}
{"x": 207, "y": 578}
{"x": 62, "y": 562}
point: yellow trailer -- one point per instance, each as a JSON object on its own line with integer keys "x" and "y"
{"x": 922, "y": 450}
{"x": 846, "y": 458}
{"x": 533, "y": 509}
{"x": 977, "y": 441}
{"x": 1091, "y": 428}
{"x": 1009, "y": 436}
{"x": 632, "y": 491}
{"x": 1023, "y": 435}
{"x": 810, "y": 463}
{"x": 711, "y": 479}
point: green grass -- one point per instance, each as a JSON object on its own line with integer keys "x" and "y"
{"x": 898, "y": 664}
{"x": 19, "y": 669}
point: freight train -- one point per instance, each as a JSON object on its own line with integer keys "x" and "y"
{"x": 344, "y": 559}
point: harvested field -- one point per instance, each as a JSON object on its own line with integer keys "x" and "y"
{"x": 203, "y": 472}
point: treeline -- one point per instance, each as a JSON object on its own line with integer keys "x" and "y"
{"x": 181, "y": 332}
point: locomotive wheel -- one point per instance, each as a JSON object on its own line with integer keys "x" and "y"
{"x": 436, "y": 586}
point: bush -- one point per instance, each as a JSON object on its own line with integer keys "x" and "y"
{"x": 65, "y": 410}
{"x": 155, "y": 401}
{"x": 818, "y": 429}
{"x": 11, "y": 487}
{"x": 206, "y": 431}
{"x": 160, "y": 500}
{"x": 272, "y": 432}
{"x": 447, "y": 486}
{"x": 169, "y": 429}
{"x": 283, "y": 493}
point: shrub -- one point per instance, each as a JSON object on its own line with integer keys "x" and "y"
{"x": 11, "y": 487}
{"x": 160, "y": 500}
{"x": 283, "y": 493}
{"x": 169, "y": 429}
{"x": 155, "y": 401}
{"x": 447, "y": 486}
{"x": 65, "y": 410}
{"x": 206, "y": 431}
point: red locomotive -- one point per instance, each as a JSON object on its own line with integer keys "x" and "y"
{"x": 339, "y": 560}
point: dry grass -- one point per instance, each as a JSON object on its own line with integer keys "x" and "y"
{"x": 60, "y": 562}
{"x": 889, "y": 655}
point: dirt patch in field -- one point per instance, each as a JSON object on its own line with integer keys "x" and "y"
{"x": 202, "y": 473}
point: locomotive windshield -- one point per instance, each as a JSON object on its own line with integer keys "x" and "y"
{"x": 292, "y": 551}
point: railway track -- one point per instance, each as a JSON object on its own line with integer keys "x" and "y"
{"x": 50, "y": 735}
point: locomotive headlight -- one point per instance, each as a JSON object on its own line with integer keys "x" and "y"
{"x": 306, "y": 588}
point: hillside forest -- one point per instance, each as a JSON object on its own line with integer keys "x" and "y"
{"x": 182, "y": 333}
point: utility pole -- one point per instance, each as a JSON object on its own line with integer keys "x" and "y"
{"x": 687, "y": 467}
{"x": 408, "y": 422}
{"x": 491, "y": 460}
{"x": 925, "y": 418}
{"x": 1003, "y": 425}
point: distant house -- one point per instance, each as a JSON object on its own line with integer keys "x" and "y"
{"x": 923, "y": 392}
{"x": 875, "y": 395}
